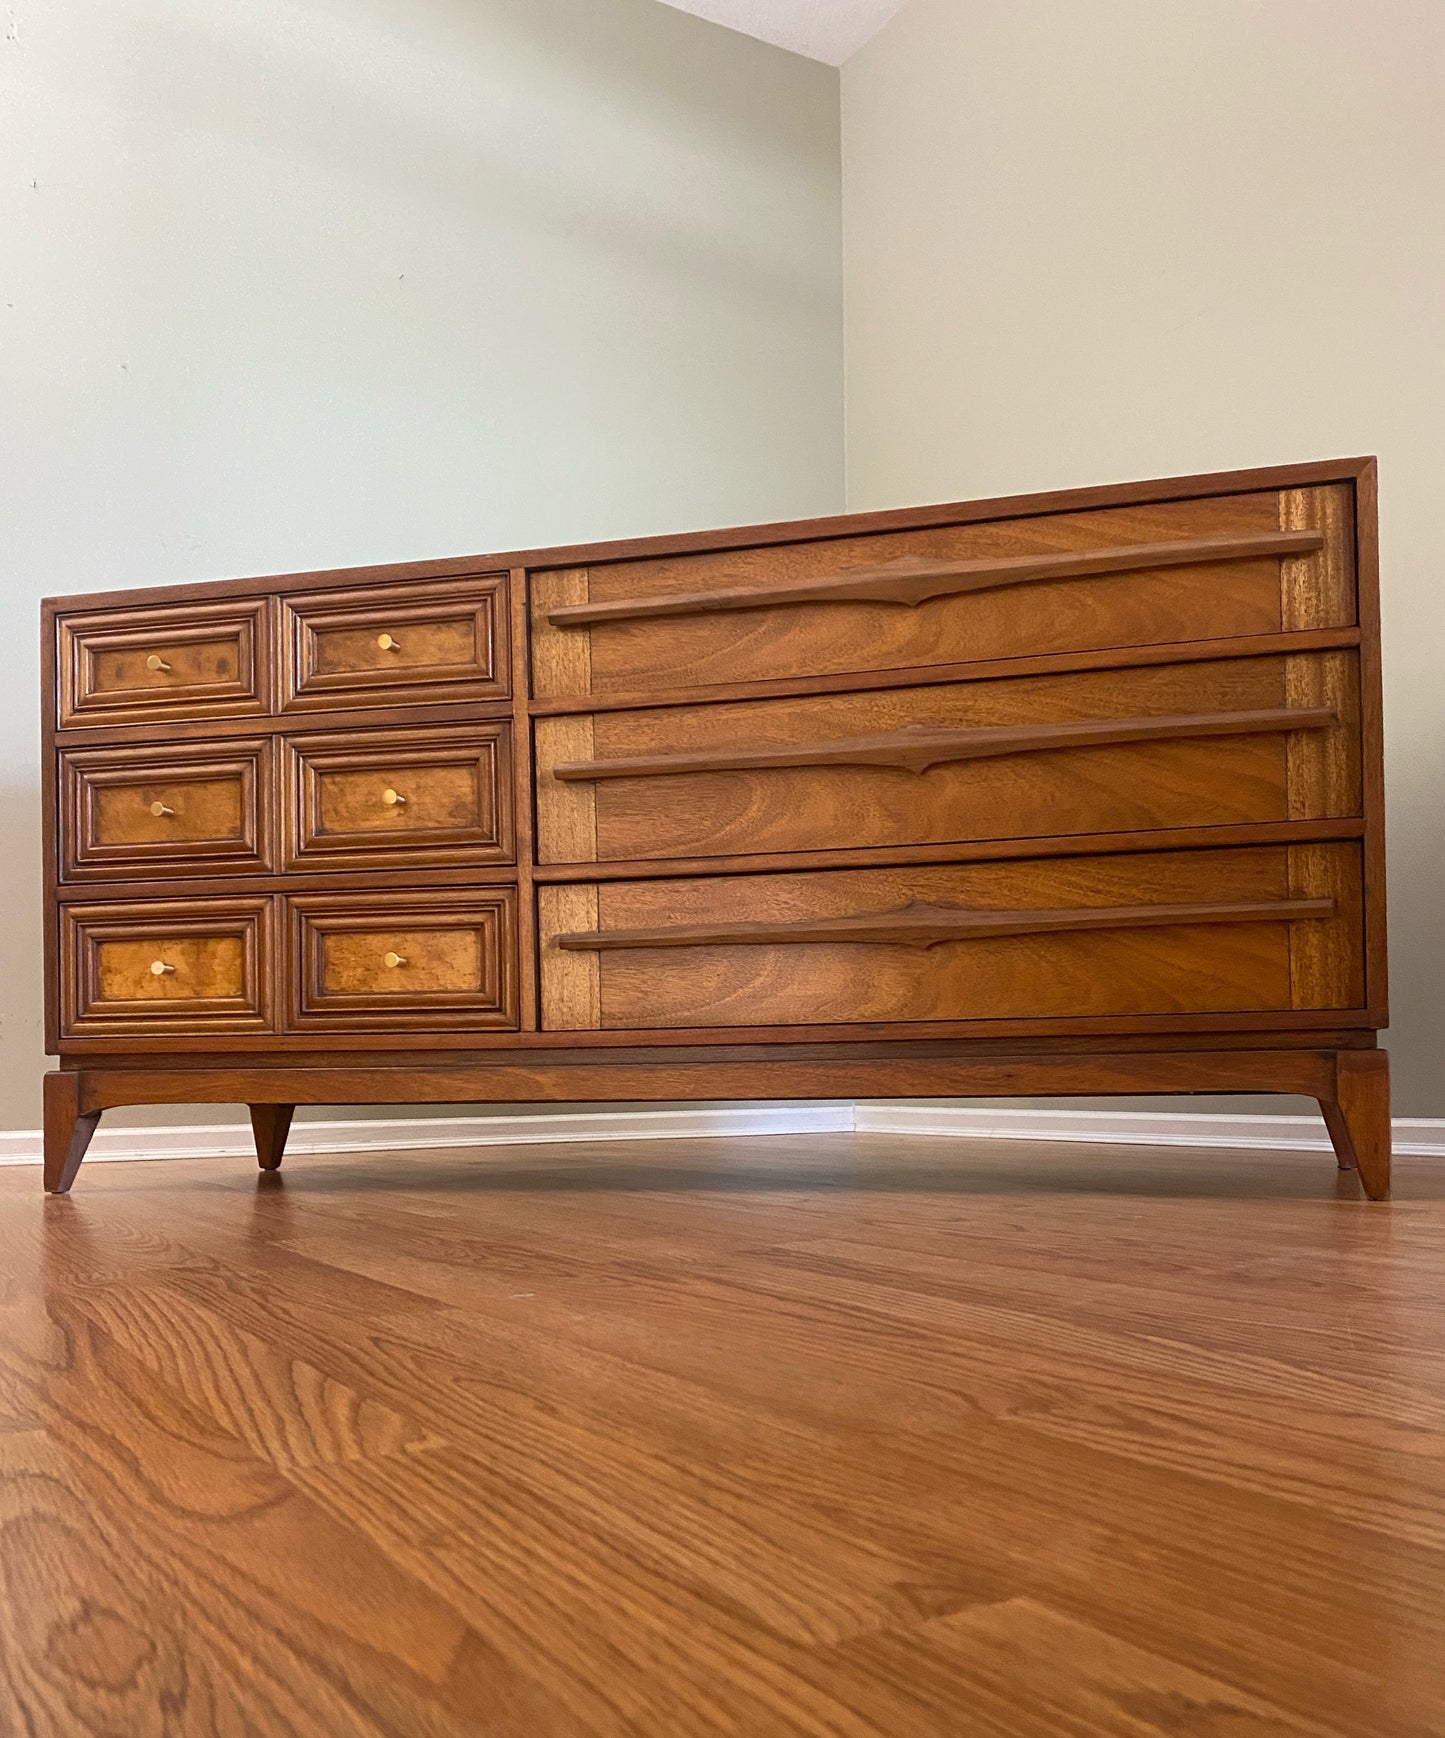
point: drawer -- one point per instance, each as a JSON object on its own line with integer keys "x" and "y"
{"x": 1245, "y": 740}
{"x": 393, "y": 962}
{"x": 397, "y": 798}
{"x": 184, "y": 809}
{"x": 1270, "y": 930}
{"x": 396, "y": 645}
{"x": 1167, "y": 573}
{"x": 176, "y": 661}
{"x": 166, "y": 967}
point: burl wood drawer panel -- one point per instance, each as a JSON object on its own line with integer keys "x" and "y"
{"x": 158, "y": 968}
{"x": 172, "y": 661}
{"x": 396, "y": 645}
{"x": 193, "y": 808}
{"x": 1184, "y": 745}
{"x": 1067, "y": 582}
{"x": 1273, "y": 929}
{"x": 404, "y": 962}
{"x": 400, "y": 798}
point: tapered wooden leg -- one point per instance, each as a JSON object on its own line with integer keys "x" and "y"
{"x": 1358, "y": 1118}
{"x": 67, "y": 1131}
{"x": 271, "y": 1123}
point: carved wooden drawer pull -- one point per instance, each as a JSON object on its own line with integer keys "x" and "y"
{"x": 911, "y": 580}
{"x": 393, "y": 799}
{"x": 159, "y": 968}
{"x": 919, "y": 749}
{"x": 157, "y": 662}
{"x": 159, "y": 809}
{"x": 393, "y": 959}
{"x": 921, "y": 925}
{"x": 388, "y": 643}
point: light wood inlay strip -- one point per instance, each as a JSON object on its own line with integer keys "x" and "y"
{"x": 912, "y": 581}
{"x": 923, "y": 925}
{"x": 571, "y": 986}
{"x": 918, "y": 750}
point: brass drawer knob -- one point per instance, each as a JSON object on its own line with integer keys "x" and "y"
{"x": 157, "y": 662}
{"x": 392, "y": 959}
{"x": 159, "y": 809}
{"x": 393, "y": 799}
{"x": 159, "y": 968}
{"x": 387, "y": 643}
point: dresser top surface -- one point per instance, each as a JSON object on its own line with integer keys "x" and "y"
{"x": 1356, "y": 470}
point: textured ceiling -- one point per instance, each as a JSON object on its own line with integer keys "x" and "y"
{"x": 828, "y": 30}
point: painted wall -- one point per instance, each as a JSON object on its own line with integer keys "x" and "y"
{"x": 301, "y": 283}
{"x": 1132, "y": 238}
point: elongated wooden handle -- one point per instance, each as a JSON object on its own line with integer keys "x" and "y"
{"x": 918, "y": 750}
{"x": 923, "y": 925}
{"x": 911, "y": 580}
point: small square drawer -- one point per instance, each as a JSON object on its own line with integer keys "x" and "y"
{"x": 397, "y": 645}
{"x": 393, "y": 962}
{"x": 174, "y": 966}
{"x": 400, "y": 798}
{"x": 199, "y": 660}
{"x": 183, "y": 809}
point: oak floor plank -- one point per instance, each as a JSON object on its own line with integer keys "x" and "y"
{"x": 843, "y": 1436}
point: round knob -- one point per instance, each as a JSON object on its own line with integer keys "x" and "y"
{"x": 393, "y": 799}
{"x": 159, "y": 968}
{"x": 391, "y": 959}
{"x": 156, "y": 662}
{"x": 388, "y": 644}
{"x": 159, "y": 809}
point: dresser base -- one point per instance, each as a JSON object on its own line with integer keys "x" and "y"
{"x": 1351, "y": 1085}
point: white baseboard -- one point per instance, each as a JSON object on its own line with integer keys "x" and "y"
{"x": 1413, "y": 1135}
{"x": 411, "y": 1134}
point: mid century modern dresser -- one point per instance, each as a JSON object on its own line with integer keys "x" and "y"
{"x": 1068, "y": 793}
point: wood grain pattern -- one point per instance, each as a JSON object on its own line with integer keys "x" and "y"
{"x": 163, "y": 967}
{"x": 150, "y": 662}
{"x": 382, "y": 961}
{"x": 919, "y": 924}
{"x": 571, "y": 982}
{"x": 793, "y": 1437}
{"x": 399, "y": 798}
{"x": 1158, "y": 606}
{"x": 1202, "y": 745}
{"x": 561, "y": 662}
{"x": 167, "y": 810}
{"x": 1282, "y": 633}
{"x": 523, "y": 805}
{"x": 1327, "y": 960}
{"x": 363, "y": 646}
{"x": 910, "y": 580}
{"x": 566, "y": 812}
{"x": 1317, "y": 588}
{"x": 732, "y": 975}
{"x": 1357, "y": 1114}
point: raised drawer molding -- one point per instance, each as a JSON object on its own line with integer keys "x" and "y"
{"x": 1068, "y": 793}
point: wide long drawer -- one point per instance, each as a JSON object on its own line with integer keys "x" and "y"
{"x": 1166, "y": 573}
{"x": 1269, "y": 930}
{"x": 1246, "y": 740}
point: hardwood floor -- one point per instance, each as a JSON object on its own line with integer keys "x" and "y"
{"x": 843, "y": 1436}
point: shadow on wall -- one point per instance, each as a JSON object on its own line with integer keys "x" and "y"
{"x": 500, "y": 103}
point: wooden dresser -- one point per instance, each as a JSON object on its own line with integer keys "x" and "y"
{"x": 1068, "y": 793}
